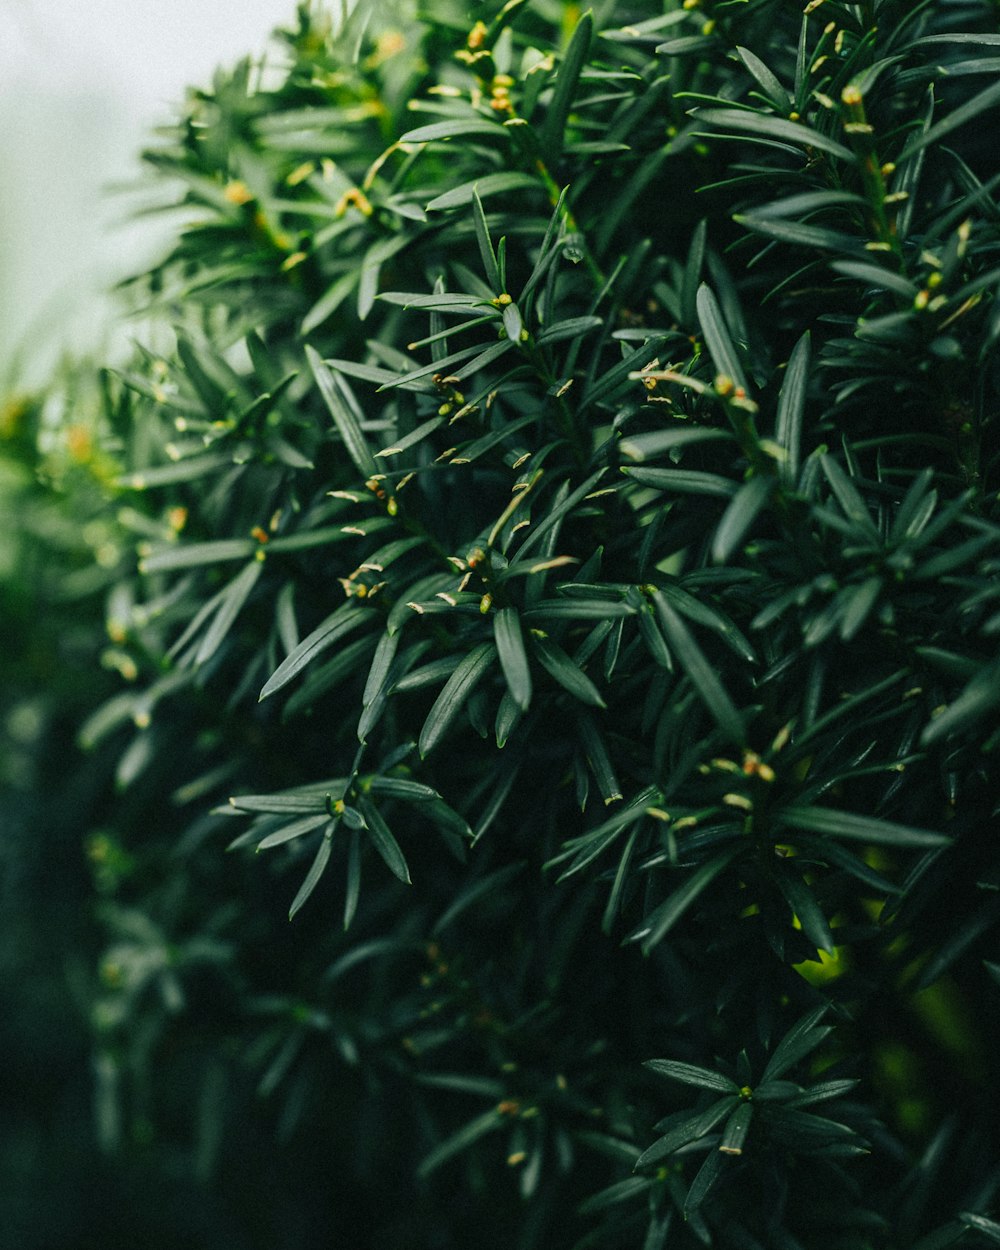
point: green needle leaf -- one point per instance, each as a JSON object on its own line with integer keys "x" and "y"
{"x": 744, "y": 508}
{"x": 705, "y": 1178}
{"x": 737, "y": 1127}
{"x": 454, "y": 128}
{"x": 987, "y": 99}
{"x": 720, "y": 344}
{"x": 764, "y": 126}
{"x": 800, "y": 1040}
{"x": 344, "y": 410}
{"x": 513, "y": 657}
{"x": 802, "y": 901}
{"x": 687, "y": 1131}
{"x": 791, "y": 406}
{"x": 702, "y": 674}
{"x": 347, "y": 617}
{"x": 663, "y": 919}
{"x": 466, "y": 676}
{"x": 552, "y": 132}
{"x": 313, "y": 875}
{"x": 691, "y": 1074}
{"x": 237, "y": 593}
{"x": 383, "y": 840}
{"x": 486, "y": 252}
{"x": 569, "y": 675}
{"x": 859, "y": 828}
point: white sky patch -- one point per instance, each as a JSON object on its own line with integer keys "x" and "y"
{"x": 83, "y": 84}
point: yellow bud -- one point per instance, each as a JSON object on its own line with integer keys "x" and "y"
{"x": 237, "y": 192}
{"x": 724, "y": 385}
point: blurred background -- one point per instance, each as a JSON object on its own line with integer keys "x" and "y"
{"x": 82, "y": 87}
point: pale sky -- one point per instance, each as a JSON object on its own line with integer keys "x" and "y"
{"x": 82, "y": 84}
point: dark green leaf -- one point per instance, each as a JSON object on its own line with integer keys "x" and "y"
{"x": 384, "y": 655}
{"x": 802, "y": 901}
{"x": 735, "y": 1132}
{"x": 705, "y": 1178}
{"x": 940, "y": 1238}
{"x": 848, "y": 496}
{"x": 316, "y": 871}
{"x": 575, "y": 608}
{"x": 875, "y": 275}
{"x": 702, "y": 674}
{"x": 859, "y": 603}
{"x": 663, "y": 919}
{"x": 704, "y": 614}
{"x": 620, "y": 1191}
{"x": 486, "y": 252}
{"x": 328, "y": 303}
{"x": 767, "y": 81}
{"x": 295, "y": 829}
{"x": 989, "y": 1228}
{"x": 466, "y": 676}
{"x": 858, "y": 828}
{"x": 717, "y": 337}
{"x": 800, "y": 1040}
{"x": 808, "y": 202}
{"x": 562, "y": 669}
{"x": 691, "y": 1074}
{"x": 352, "y": 891}
{"x": 744, "y": 508}
{"x": 340, "y": 622}
{"x": 413, "y": 438}
{"x": 382, "y": 839}
{"x": 460, "y": 302}
{"x": 404, "y": 788}
{"x": 188, "y": 469}
{"x": 617, "y": 891}
{"x": 552, "y": 131}
{"x": 558, "y": 513}
{"x": 822, "y": 1092}
{"x": 469, "y": 1133}
{"x": 310, "y": 801}
{"x": 513, "y": 657}
{"x": 608, "y": 381}
{"x": 830, "y": 852}
{"x": 455, "y": 128}
{"x": 979, "y": 698}
{"x": 968, "y": 931}
{"x": 599, "y": 759}
{"x": 490, "y": 884}
{"x": 987, "y": 99}
{"x": 765, "y": 126}
{"x": 798, "y": 233}
{"x": 571, "y": 328}
{"x": 193, "y": 555}
{"x": 687, "y": 1130}
{"x": 791, "y": 406}
{"x": 236, "y": 594}
{"x": 645, "y": 446}
{"x": 490, "y": 184}
{"x": 344, "y": 410}
{"x": 685, "y": 481}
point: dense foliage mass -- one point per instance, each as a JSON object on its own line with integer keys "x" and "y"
{"x": 561, "y": 535}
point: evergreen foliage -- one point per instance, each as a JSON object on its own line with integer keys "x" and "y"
{"x": 558, "y": 559}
